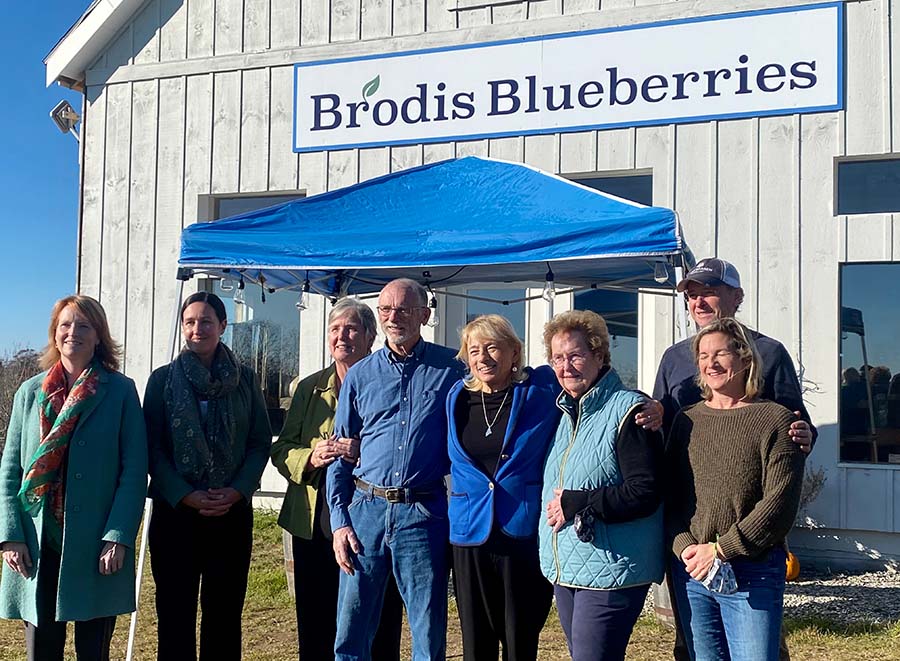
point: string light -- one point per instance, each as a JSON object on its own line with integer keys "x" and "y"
{"x": 303, "y": 301}
{"x": 239, "y": 292}
{"x": 549, "y": 292}
{"x": 434, "y": 319}
{"x": 660, "y": 273}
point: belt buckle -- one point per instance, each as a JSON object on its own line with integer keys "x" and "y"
{"x": 394, "y": 495}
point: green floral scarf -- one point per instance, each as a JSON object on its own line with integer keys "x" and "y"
{"x": 203, "y": 445}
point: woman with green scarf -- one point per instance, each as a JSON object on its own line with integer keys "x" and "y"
{"x": 209, "y": 439}
{"x": 72, "y": 483}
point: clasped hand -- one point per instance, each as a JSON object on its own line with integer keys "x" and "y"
{"x": 555, "y": 516}
{"x": 698, "y": 559}
{"x": 329, "y": 449}
{"x": 212, "y": 502}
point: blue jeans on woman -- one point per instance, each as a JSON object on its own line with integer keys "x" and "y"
{"x": 744, "y": 626}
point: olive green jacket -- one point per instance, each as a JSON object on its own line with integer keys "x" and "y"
{"x": 310, "y": 419}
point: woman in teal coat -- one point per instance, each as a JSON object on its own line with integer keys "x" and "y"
{"x": 73, "y": 478}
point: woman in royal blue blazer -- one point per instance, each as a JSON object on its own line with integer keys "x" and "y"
{"x": 502, "y": 417}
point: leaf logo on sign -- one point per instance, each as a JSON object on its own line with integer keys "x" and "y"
{"x": 371, "y": 87}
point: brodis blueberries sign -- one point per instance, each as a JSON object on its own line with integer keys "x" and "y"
{"x": 768, "y": 62}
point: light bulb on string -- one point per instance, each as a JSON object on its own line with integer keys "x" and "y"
{"x": 660, "y": 273}
{"x": 433, "y": 319}
{"x": 303, "y": 301}
{"x": 239, "y": 292}
{"x": 549, "y": 292}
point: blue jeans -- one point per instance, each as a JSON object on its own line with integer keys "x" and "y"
{"x": 744, "y": 626}
{"x": 411, "y": 540}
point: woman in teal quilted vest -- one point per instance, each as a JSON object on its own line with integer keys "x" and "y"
{"x": 602, "y": 546}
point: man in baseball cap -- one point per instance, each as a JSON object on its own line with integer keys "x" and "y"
{"x": 713, "y": 272}
{"x": 713, "y": 290}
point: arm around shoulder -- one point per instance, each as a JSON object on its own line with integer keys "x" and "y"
{"x": 639, "y": 453}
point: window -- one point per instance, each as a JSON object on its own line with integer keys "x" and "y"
{"x": 870, "y": 363}
{"x": 264, "y": 336}
{"x": 870, "y": 186}
{"x": 619, "y": 309}
{"x": 635, "y": 187}
{"x": 514, "y": 312}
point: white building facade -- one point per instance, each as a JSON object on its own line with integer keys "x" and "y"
{"x": 189, "y": 115}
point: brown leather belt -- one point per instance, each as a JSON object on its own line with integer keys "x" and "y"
{"x": 396, "y": 494}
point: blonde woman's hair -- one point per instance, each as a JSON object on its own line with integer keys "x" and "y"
{"x": 588, "y": 323}
{"x": 742, "y": 344}
{"x": 108, "y": 351}
{"x": 494, "y": 328}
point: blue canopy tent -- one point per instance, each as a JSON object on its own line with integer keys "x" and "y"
{"x": 449, "y": 223}
{"x": 462, "y": 221}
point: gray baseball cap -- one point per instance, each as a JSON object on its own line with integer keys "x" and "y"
{"x": 712, "y": 271}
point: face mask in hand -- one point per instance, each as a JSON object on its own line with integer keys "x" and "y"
{"x": 720, "y": 578}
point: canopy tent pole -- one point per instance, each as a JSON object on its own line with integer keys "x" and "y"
{"x": 680, "y": 311}
{"x": 148, "y": 503}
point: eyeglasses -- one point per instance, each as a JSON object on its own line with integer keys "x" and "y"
{"x": 385, "y": 310}
{"x": 576, "y": 359}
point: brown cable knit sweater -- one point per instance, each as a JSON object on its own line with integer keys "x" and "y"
{"x": 735, "y": 475}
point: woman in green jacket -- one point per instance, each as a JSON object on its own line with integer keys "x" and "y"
{"x": 301, "y": 454}
{"x": 73, "y": 478}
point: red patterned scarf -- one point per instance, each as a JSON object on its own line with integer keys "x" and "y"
{"x": 44, "y": 479}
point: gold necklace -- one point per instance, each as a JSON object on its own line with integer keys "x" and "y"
{"x": 490, "y": 424}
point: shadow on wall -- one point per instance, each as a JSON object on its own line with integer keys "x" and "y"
{"x": 139, "y": 39}
{"x": 832, "y": 550}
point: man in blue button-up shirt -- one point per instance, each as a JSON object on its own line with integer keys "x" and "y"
{"x": 389, "y": 510}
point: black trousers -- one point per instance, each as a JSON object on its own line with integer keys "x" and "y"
{"x": 195, "y": 555}
{"x": 316, "y": 577}
{"x": 598, "y": 623}
{"x": 502, "y": 598}
{"x": 47, "y": 640}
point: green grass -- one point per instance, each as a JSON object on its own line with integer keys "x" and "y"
{"x": 270, "y": 625}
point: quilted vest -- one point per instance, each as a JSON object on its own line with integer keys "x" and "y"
{"x": 583, "y": 456}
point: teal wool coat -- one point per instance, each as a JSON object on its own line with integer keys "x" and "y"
{"x": 106, "y": 483}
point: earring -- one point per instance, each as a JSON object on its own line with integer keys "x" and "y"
{"x": 515, "y": 369}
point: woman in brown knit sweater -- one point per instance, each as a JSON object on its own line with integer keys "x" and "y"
{"x": 731, "y": 500}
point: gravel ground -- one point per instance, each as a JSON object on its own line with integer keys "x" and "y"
{"x": 845, "y": 598}
{"x": 839, "y": 598}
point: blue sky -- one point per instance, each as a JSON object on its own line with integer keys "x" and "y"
{"x": 39, "y": 174}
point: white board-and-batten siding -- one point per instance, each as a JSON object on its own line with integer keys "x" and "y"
{"x": 195, "y": 98}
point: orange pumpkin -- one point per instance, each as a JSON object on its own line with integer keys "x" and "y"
{"x": 793, "y": 567}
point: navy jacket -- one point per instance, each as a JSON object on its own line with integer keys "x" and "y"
{"x": 512, "y": 498}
